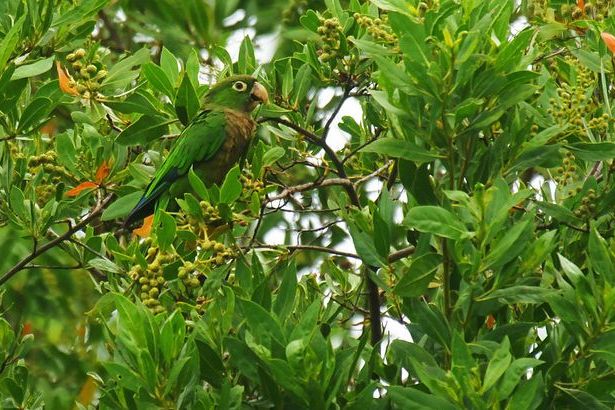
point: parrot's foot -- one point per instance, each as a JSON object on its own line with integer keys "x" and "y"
{"x": 146, "y": 228}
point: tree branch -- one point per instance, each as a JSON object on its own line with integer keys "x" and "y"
{"x": 23, "y": 264}
{"x": 372, "y": 289}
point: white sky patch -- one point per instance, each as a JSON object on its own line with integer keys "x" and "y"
{"x": 233, "y": 43}
{"x": 337, "y": 138}
{"x": 234, "y": 18}
{"x": 536, "y": 184}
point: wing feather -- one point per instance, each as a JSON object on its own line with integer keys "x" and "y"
{"x": 199, "y": 141}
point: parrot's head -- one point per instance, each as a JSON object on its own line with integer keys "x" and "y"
{"x": 237, "y": 92}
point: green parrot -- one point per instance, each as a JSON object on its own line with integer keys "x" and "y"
{"x": 211, "y": 144}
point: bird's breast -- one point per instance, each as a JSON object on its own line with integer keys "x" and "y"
{"x": 239, "y": 130}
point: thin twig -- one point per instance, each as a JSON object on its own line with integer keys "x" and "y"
{"x": 22, "y": 264}
{"x": 360, "y": 147}
{"x": 316, "y": 248}
{"x": 325, "y": 130}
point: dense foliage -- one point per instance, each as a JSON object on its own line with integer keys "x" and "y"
{"x": 424, "y": 218}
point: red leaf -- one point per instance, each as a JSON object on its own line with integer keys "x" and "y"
{"x": 609, "y": 40}
{"x": 84, "y": 185}
{"x": 102, "y": 172}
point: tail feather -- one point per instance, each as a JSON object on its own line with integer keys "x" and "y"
{"x": 146, "y": 205}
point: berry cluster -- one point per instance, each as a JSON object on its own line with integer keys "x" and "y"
{"x": 378, "y": 28}
{"x": 150, "y": 281}
{"x": 249, "y": 183}
{"x": 295, "y": 9}
{"x": 568, "y": 169}
{"x": 56, "y": 174}
{"x": 598, "y": 11}
{"x": 423, "y": 6}
{"x": 89, "y": 72}
{"x": 573, "y": 104}
{"x": 330, "y": 31}
{"x": 587, "y": 209}
{"x": 191, "y": 272}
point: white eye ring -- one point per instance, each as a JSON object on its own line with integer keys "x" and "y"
{"x": 239, "y": 86}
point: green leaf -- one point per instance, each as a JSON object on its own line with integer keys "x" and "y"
{"x": 197, "y": 185}
{"x": 382, "y": 236}
{"x": 172, "y": 334}
{"x": 572, "y": 271}
{"x": 33, "y": 69}
{"x": 77, "y": 15}
{"x": 508, "y": 247}
{"x": 513, "y": 375}
{"x": 417, "y": 277}
{"x": 398, "y": 148}
{"x": 283, "y": 303}
{"x": 497, "y": 365}
{"x": 166, "y": 230}
{"x": 35, "y": 113}
{"x": 140, "y": 102}
{"x": 186, "y": 101}
{"x": 302, "y": 84}
{"x": 231, "y": 187}
{"x": 520, "y": 294}
{"x": 364, "y": 244}
{"x": 596, "y": 151}
{"x": 600, "y": 257}
{"x": 410, "y": 398}
{"x": 398, "y": 6}
{"x": 247, "y": 62}
{"x": 156, "y": 77}
{"x": 288, "y": 79}
{"x": 272, "y": 155}
{"x": 9, "y": 42}
{"x": 120, "y": 75}
{"x": 431, "y": 321}
{"x": 147, "y": 128}
{"x": 212, "y": 367}
{"x": 438, "y": 221}
{"x": 104, "y": 264}
{"x": 124, "y": 376}
{"x": 122, "y": 206}
{"x": 169, "y": 65}
{"x": 18, "y": 204}
{"x": 261, "y": 322}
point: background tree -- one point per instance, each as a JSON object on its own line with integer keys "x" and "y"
{"x": 439, "y": 168}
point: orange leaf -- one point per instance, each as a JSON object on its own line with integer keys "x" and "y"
{"x": 84, "y": 185}
{"x": 49, "y": 128}
{"x": 88, "y": 391}
{"x": 609, "y": 40}
{"x": 102, "y": 172}
{"x": 490, "y": 322}
{"x": 581, "y": 5}
{"x": 27, "y": 329}
{"x": 65, "y": 80}
{"x": 146, "y": 228}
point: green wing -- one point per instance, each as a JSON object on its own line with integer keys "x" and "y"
{"x": 199, "y": 141}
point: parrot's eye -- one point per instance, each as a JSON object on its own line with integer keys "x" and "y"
{"x": 239, "y": 86}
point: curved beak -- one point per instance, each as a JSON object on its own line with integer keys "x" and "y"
{"x": 259, "y": 93}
